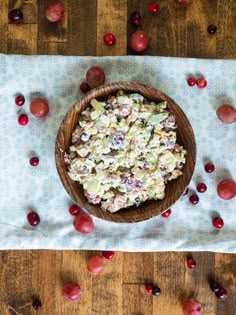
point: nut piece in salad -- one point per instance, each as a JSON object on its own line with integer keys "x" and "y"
{"x": 124, "y": 151}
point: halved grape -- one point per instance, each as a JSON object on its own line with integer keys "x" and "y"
{"x": 226, "y": 113}
{"x": 95, "y": 76}
{"x": 226, "y": 189}
{"x": 83, "y": 223}
{"x": 71, "y": 291}
{"x": 96, "y": 264}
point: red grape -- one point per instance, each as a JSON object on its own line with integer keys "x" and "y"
{"x": 226, "y": 189}
{"x": 139, "y": 41}
{"x": 83, "y": 223}
{"x": 71, "y": 291}
{"x": 39, "y": 107}
{"x": 96, "y": 264}
{"x": 226, "y": 113}
{"x": 55, "y": 12}
{"x": 95, "y": 76}
{"x": 191, "y": 307}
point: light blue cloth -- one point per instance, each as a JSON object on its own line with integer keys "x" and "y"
{"x": 24, "y": 188}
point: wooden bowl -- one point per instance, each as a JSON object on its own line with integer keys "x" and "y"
{"x": 174, "y": 188}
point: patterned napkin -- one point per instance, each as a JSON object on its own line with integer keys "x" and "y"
{"x": 24, "y": 188}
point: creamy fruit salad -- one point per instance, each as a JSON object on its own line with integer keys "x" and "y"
{"x": 124, "y": 151}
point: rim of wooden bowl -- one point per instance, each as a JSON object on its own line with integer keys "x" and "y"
{"x": 174, "y": 189}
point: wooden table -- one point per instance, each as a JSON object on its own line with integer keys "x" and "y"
{"x": 174, "y": 31}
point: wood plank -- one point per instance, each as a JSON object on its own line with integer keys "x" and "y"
{"x": 52, "y": 31}
{"x": 22, "y": 39}
{"x": 112, "y": 18}
{"x": 29, "y": 9}
{"x": 166, "y": 29}
{"x": 3, "y": 25}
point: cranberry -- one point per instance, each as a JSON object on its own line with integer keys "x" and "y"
{"x": 214, "y": 286}
{"x": 153, "y": 7}
{"x": 135, "y": 18}
{"x": 149, "y": 288}
{"x": 209, "y": 167}
{"x": 201, "y": 187}
{"x": 33, "y": 218}
{"x": 84, "y": 87}
{"x": 34, "y": 161}
{"x": 191, "y": 81}
{"x": 194, "y": 199}
{"x": 20, "y": 100}
{"x": 23, "y": 119}
{"x": 211, "y": 29}
{"x": 36, "y": 304}
{"x": 218, "y": 223}
{"x": 156, "y": 291}
{"x": 201, "y": 83}
{"x": 221, "y": 293}
{"x": 191, "y": 263}
{"x": 15, "y": 16}
{"x": 74, "y": 209}
{"x": 108, "y": 254}
{"x": 185, "y": 192}
{"x": 166, "y": 214}
{"x": 109, "y": 39}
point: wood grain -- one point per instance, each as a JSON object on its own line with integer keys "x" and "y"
{"x": 174, "y": 31}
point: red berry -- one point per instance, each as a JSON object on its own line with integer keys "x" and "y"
{"x": 36, "y": 304}
{"x": 84, "y": 87}
{"x": 71, "y": 291}
{"x": 166, "y": 214}
{"x": 191, "y": 81}
{"x": 201, "y": 187}
{"x": 221, "y": 293}
{"x": 214, "y": 286}
{"x": 191, "y": 263}
{"x": 74, "y": 209}
{"x": 191, "y": 307}
{"x": 55, "y": 12}
{"x": 20, "y": 100}
{"x": 109, "y": 39}
{"x": 33, "y": 218}
{"x": 15, "y": 16}
{"x": 218, "y": 223}
{"x": 23, "y": 119}
{"x": 211, "y": 29}
{"x": 194, "y": 199}
{"x": 156, "y": 291}
{"x": 201, "y": 83}
{"x": 108, "y": 254}
{"x": 135, "y": 18}
{"x": 149, "y": 288}
{"x": 185, "y": 192}
{"x": 34, "y": 161}
{"x": 209, "y": 167}
{"x": 153, "y": 7}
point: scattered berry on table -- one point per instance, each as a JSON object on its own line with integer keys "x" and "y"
{"x": 83, "y": 223}
{"x": 55, "y": 12}
{"x": 20, "y": 100}
{"x": 84, "y": 87}
{"x": 139, "y": 41}
{"x": 149, "y": 288}
{"x": 209, "y": 167}
{"x": 156, "y": 291}
{"x": 96, "y": 264}
{"x": 23, "y": 120}
{"x": 74, "y": 209}
{"x": 191, "y": 81}
{"x": 95, "y": 76}
{"x": 186, "y": 191}
{"x": 135, "y": 18}
{"x": 71, "y": 291}
{"x": 33, "y": 218}
{"x": 214, "y": 286}
{"x": 201, "y": 187}
{"x": 221, "y": 293}
{"x": 36, "y": 304}
{"x": 193, "y": 199}
{"x": 201, "y": 83}
{"x": 109, "y": 39}
{"x": 226, "y": 113}
{"x": 191, "y": 307}
{"x": 166, "y": 214}
{"x": 39, "y": 107}
{"x": 108, "y": 254}
{"x": 218, "y": 223}
{"x": 153, "y": 7}
{"x": 226, "y": 189}
{"x": 211, "y": 29}
{"x": 191, "y": 263}
{"x": 15, "y": 16}
{"x": 34, "y": 161}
